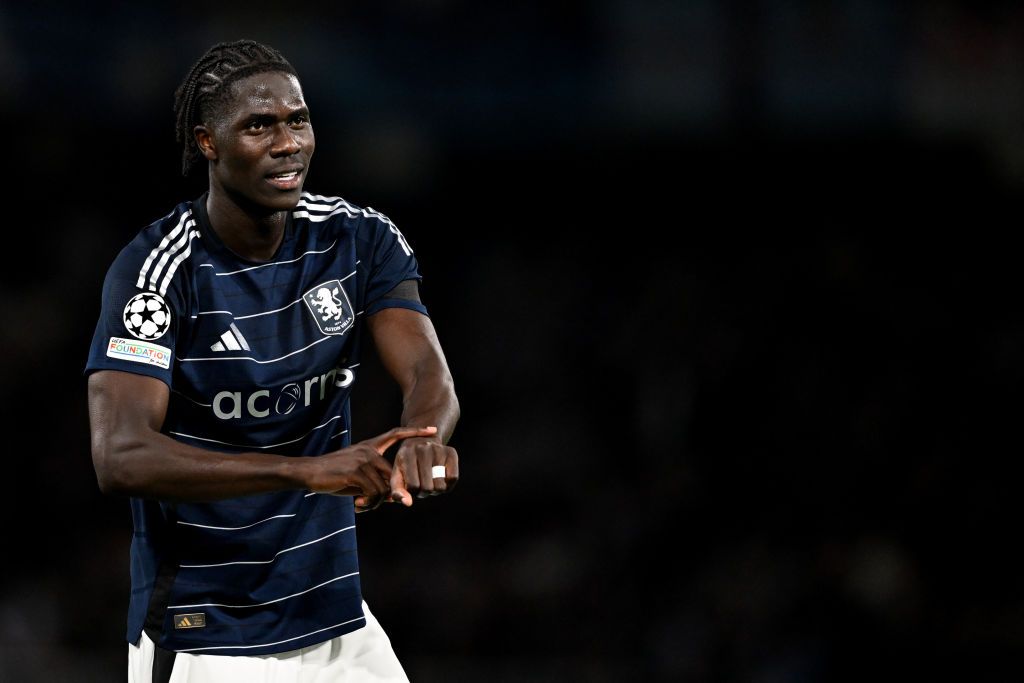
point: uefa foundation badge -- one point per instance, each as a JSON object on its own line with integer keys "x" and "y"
{"x": 330, "y": 307}
{"x": 147, "y": 316}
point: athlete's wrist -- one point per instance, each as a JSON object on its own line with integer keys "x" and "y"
{"x": 298, "y": 473}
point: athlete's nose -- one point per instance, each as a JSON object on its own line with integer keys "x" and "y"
{"x": 285, "y": 144}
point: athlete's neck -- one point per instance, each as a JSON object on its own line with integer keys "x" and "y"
{"x": 253, "y": 232}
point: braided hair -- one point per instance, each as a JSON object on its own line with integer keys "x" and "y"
{"x": 207, "y": 87}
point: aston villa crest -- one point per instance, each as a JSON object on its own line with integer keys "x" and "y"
{"x": 330, "y": 307}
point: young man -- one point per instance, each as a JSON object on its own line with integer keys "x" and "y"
{"x": 219, "y": 381}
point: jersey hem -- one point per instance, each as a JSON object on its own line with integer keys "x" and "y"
{"x": 288, "y": 646}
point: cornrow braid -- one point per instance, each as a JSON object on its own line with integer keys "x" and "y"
{"x": 207, "y": 85}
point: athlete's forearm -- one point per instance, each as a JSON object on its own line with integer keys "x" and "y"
{"x": 409, "y": 349}
{"x": 131, "y": 456}
{"x": 156, "y": 466}
{"x": 431, "y": 400}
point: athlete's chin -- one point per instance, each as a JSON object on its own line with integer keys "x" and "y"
{"x": 282, "y": 200}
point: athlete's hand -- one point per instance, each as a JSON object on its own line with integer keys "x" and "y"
{"x": 360, "y": 469}
{"x": 412, "y": 473}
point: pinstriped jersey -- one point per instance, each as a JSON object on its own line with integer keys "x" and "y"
{"x": 259, "y": 356}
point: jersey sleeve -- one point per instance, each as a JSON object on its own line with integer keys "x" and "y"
{"x": 137, "y": 327}
{"x": 392, "y": 263}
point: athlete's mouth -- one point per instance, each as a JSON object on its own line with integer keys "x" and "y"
{"x": 285, "y": 180}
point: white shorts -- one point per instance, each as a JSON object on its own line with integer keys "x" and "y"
{"x": 362, "y": 655}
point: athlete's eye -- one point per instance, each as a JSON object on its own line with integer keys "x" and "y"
{"x": 300, "y": 120}
{"x": 255, "y": 124}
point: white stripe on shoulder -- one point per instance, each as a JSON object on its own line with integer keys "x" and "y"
{"x": 309, "y": 197}
{"x": 177, "y": 261}
{"x": 320, "y": 218}
{"x": 370, "y": 211}
{"x": 170, "y": 251}
{"x": 316, "y": 205}
{"x": 317, "y": 202}
{"x": 168, "y": 238}
{"x": 337, "y": 205}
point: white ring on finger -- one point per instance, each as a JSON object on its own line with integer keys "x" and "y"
{"x": 437, "y": 471}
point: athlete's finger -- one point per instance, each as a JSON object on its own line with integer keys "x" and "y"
{"x": 408, "y": 461}
{"x": 441, "y": 482}
{"x": 424, "y": 464}
{"x": 381, "y": 487}
{"x": 384, "y": 441}
{"x": 371, "y": 482}
{"x": 367, "y": 503}
{"x": 367, "y": 496}
{"x": 399, "y": 493}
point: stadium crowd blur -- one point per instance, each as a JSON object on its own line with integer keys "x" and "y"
{"x": 727, "y": 290}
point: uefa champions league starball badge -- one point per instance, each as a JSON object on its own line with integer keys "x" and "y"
{"x": 147, "y": 316}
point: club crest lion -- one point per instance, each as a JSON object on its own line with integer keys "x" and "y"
{"x": 329, "y": 304}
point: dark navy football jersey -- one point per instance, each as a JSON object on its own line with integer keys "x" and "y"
{"x": 259, "y": 356}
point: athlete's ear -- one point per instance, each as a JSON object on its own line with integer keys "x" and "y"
{"x": 205, "y": 142}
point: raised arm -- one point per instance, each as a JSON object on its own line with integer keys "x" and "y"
{"x": 409, "y": 350}
{"x": 131, "y": 456}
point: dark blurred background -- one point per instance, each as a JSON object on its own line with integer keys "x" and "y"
{"x": 729, "y": 291}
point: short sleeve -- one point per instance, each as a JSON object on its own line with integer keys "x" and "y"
{"x": 393, "y": 262}
{"x": 137, "y": 327}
